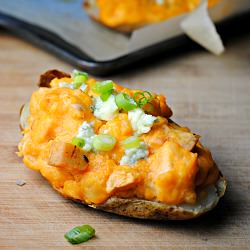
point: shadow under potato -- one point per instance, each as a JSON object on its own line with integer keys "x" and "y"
{"x": 222, "y": 216}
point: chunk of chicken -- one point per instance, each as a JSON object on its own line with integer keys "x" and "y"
{"x": 67, "y": 155}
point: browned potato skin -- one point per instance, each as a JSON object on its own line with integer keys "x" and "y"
{"x": 49, "y": 75}
{"x": 24, "y": 113}
{"x": 144, "y": 209}
{"x": 136, "y": 208}
{"x": 67, "y": 155}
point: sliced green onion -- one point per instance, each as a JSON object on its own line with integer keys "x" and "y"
{"x": 148, "y": 95}
{"x": 80, "y": 73}
{"x": 79, "y": 78}
{"x": 125, "y": 102}
{"x": 78, "y": 81}
{"x": 77, "y": 85}
{"x": 103, "y": 87}
{"x": 80, "y": 234}
{"x": 142, "y": 98}
{"x": 132, "y": 142}
{"x": 79, "y": 142}
{"x": 149, "y": 107}
{"x": 138, "y": 96}
{"x": 142, "y": 101}
{"x": 105, "y": 96}
{"x": 104, "y": 142}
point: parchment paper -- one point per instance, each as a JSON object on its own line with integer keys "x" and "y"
{"x": 67, "y": 19}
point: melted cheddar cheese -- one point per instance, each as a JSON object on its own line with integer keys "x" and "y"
{"x": 136, "y": 13}
{"x": 175, "y": 168}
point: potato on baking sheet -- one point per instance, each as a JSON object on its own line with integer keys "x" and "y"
{"x": 129, "y": 15}
{"x": 117, "y": 150}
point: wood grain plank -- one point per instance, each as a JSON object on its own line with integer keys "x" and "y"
{"x": 208, "y": 94}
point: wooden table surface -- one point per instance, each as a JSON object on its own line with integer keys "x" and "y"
{"x": 209, "y": 94}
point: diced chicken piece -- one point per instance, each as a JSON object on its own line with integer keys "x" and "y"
{"x": 174, "y": 169}
{"x": 157, "y": 136}
{"x": 185, "y": 139}
{"x": 67, "y": 155}
{"x": 119, "y": 179}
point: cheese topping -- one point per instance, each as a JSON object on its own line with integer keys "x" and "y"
{"x": 84, "y": 87}
{"x": 141, "y": 122}
{"x": 86, "y": 132}
{"x": 105, "y": 110}
{"x": 65, "y": 85}
{"x": 160, "y": 2}
{"x": 132, "y": 155}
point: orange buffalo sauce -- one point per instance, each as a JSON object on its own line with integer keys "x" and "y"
{"x": 176, "y": 165}
{"x": 136, "y": 13}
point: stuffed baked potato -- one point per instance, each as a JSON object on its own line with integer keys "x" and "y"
{"x": 116, "y": 149}
{"x": 129, "y": 15}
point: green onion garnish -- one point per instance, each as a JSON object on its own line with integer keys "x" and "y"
{"x": 142, "y": 98}
{"x": 149, "y": 107}
{"x": 104, "y": 142}
{"x": 78, "y": 81}
{"x": 79, "y": 142}
{"x": 80, "y": 234}
{"x": 80, "y": 73}
{"x": 125, "y": 102}
{"x": 105, "y": 96}
{"x": 103, "y": 87}
{"x": 132, "y": 142}
{"x": 79, "y": 78}
{"x": 77, "y": 85}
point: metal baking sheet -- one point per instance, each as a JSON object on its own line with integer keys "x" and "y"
{"x": 63, "y": 27}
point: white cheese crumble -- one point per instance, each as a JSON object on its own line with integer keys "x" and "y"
{"x": 105, "y": 110}
{"x": 83, "y": 87}
{"x": 65, "y": 85}
{"x": 141, "y": 122}
{"x": 86, "y": 132}
{"x": 132, "y": 155}
{"x": 70, "y": 86}
{"x": 160, "y": 2}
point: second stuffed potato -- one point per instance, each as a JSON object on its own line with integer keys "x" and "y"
{"x": 129, "y": 15}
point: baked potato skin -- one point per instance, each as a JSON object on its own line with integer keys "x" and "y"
{"x": 139, "y": 208}
{"x": 49, "y": 75}
{"x": 144, "y": 209}
{"x": 152, "y": 210}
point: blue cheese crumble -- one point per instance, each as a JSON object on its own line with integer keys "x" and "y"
{"x": 160, "y": 2}
{"x": 132, "y": 155}
{"x": 86, "y": 132}
{"x": 141, "y": 122}
{"x": 83, "y": 87}
{"x": 105, "y": 110}
{"x": 65, "y": 85}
